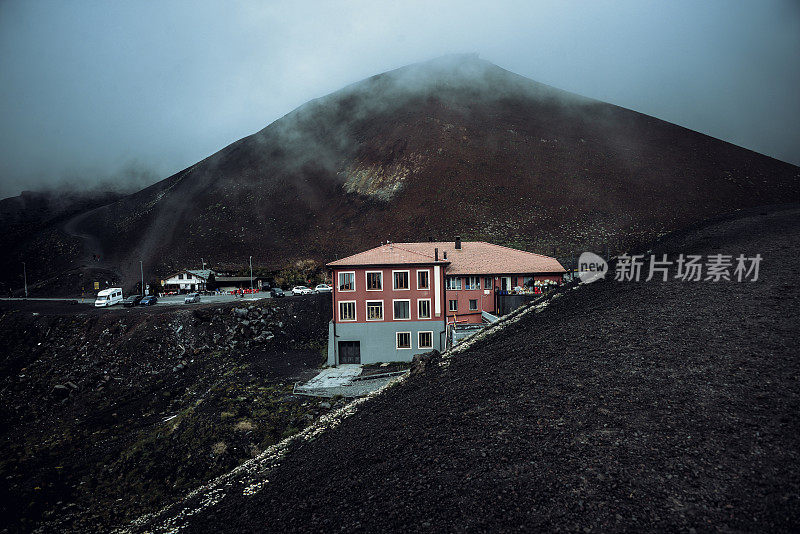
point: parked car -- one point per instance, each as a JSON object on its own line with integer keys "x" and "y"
{"x": 302, "y": 290}
{"x": 276, "y": 292}
{"x": 323, "y": 288}
{"x": 108, "y": 297}
{"x": 132, "y": 300}
{"x": 192, "y": 298}
{"x": 149, "y": 300}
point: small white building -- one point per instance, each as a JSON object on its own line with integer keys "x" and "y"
{"x": 187, "y": 280}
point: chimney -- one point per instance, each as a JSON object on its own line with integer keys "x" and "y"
{"x": 436, "y": 254}
{"x": 458, "y": 242}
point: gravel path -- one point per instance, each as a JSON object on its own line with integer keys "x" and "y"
{"x": 649, "y": 407}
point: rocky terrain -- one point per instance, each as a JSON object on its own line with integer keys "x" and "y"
{"x": 110, "y": 413}
{"x": 453, "y": 146}
{"x": 618, "y": 406}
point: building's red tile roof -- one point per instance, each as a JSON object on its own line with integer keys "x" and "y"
{"x": 474, "y": 257}
{"x": 389, "y": 254}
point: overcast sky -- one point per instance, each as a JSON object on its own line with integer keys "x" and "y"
{"x": 133, "y": 92}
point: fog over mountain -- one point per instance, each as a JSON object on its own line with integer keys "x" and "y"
{"x": 119, "y": 96}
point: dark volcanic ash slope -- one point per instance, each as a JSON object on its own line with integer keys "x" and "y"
{"x": 646, "y": 407}
{"x": 451, "y": 146}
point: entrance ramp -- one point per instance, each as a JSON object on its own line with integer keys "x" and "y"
{"x": 344, "y": 380}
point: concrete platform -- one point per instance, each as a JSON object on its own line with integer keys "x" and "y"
{"x": 344, "y": 380}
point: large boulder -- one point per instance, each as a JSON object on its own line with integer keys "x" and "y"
{"x": 421, "y": 361}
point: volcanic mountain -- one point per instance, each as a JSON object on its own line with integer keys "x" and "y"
{"x": 453, "y": 146}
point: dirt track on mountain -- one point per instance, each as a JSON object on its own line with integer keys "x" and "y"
{"x": 649, "y": 407}
{"x": 92, "y": 245}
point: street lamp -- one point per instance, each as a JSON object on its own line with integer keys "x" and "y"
{"x": 141, "y": 268}
{"x": 251, "y": 273}
{"x": 25, "y": 276}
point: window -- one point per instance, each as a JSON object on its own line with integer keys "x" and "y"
{"x": 400, "y": 279}
{"x": 487, "y": 282}
{"x": 423, "y": 279}
{"x": 402, "y": 309}
{"x": 374, "y": 310}
{"x": 374, "y": 280}
{"x": 404, "y": 340}
{"x": 472, "y": 282}
{"x": 424, "y": 309}
{"x": 473, "y": 304}
{"x": 425, "y": 340}
{"x": 453, "y": 305}
{"x": 347, "y": 281}
{"x": 347, "y": 310}
{"x": 453, "y": 282}
{"x": 180, "y": 276}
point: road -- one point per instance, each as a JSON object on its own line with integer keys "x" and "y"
{"x": 77, "y": 305}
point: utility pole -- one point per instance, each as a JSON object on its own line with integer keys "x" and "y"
{"x": 141, "y": 268}
{"x": 25, "y": 276}
{"x": 204, "y": 263}
{"x": 251, "y": 273}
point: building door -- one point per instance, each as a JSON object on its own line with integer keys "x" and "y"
{"x": 349, "y": 352}
{"x": 505, "y": 283}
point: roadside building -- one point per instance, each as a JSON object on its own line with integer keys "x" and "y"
{"x": 397, "y": 300}
{"x": 237, "y": 283}
{"x": 187, "y": 281}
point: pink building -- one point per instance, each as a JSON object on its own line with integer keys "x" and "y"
{"x": 395, "y": 300}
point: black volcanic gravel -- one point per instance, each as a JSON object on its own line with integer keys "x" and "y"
{"x": 647, "y": 407}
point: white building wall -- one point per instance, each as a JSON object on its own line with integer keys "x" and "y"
{"x": 184, "y": 283}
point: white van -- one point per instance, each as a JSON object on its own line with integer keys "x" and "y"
{"x": 109, "y": 297}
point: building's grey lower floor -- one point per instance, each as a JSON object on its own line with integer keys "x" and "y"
{"x": 394, "y": 341}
